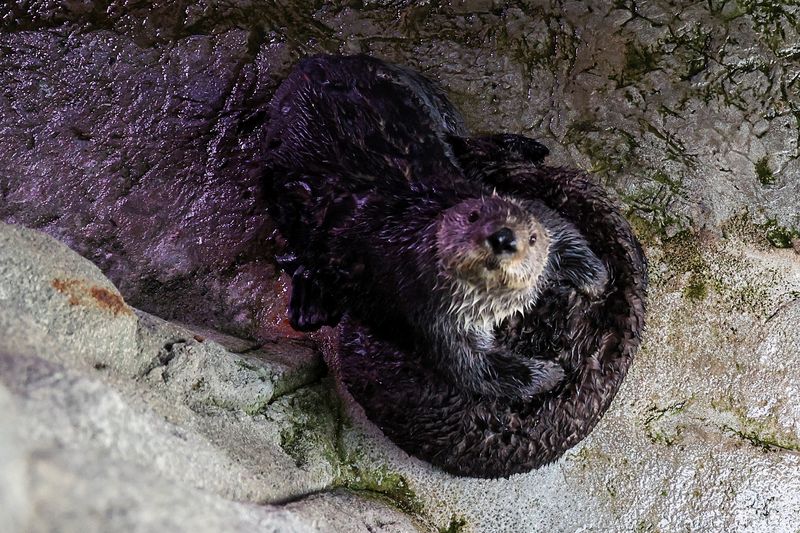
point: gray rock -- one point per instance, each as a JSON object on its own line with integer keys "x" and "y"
{"x": 95, "y": 461}
{"x": 57, "y": 302}
{"x": 114, "y": 420}
{"x": 130, "y": 131}
{"x": 15, "y": 506}
{"x": 703, "y": 436}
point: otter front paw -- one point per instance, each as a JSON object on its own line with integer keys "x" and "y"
{"x": 309, "y": 306}
{"x": 504, "y": 375}
{"x": 544, "y": 377}
{"x": 572, "y": 259}
{"x": 594, "y": 281}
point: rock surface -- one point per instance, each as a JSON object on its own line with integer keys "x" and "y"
{"x": 114, "y": 420}
{"x": 129, "y": 131}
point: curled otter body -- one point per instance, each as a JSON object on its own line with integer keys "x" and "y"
{"x": 374, "y": 203}
{"x": 594, "y": 341}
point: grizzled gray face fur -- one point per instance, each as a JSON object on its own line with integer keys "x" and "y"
{"x": 492, "y": 253}
{"x": 492, "y": 244}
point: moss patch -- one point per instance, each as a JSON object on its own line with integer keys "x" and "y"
{"x": 456, "y": 525}
{"x": 780, "y": 236}
{"x": 639, "y": 60}
{"x": 610, "y": 150}
{"x": 377, "y": 482}
{"x": 770, "y": 19}
{"x": 766, "y": 441}
{"x": 657, "y": 424}
{"x": 692, "y": 49}
{"x": 767, "y": 235}
{"x": 682, "y": 253}
{"x": 381, "y": 481}
{"x": 696, "y": 289}
{"x": 309, "y": 420}
{"x": 764, "y": 173}
{"x": 764, "y": 433}
{"x": 651, "y": 207}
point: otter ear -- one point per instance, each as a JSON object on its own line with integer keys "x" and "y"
{"x": 575, "y": 262}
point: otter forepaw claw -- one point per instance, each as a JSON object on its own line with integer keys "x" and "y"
{"x": 307, "y": 309}
{"x": 288, "y": 262}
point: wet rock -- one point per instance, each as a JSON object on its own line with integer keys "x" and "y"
{"x": 131, "y": 131}
{"x": 143, "y": 160}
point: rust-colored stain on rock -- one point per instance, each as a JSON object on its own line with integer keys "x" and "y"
{"x": 81, "y": 293}
{"x": 109, "y": 300}
{"x": 66, "y": 286}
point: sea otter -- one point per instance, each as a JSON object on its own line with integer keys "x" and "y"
{"x": 382, "y": 222}
{"x": 593, "y": 336}
{"x": 594, "y": 340}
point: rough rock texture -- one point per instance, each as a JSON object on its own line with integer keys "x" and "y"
{"x": 113, "y": 420}
{"x": 129, "y": 131}
{"x": 704, "y": 434}
{"x": 141, "y": 158}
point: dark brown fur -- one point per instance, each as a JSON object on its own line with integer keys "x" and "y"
{"x": 594, "y": 341}
{"x": 362, "y": 177}
{"x": 364, "y": 158}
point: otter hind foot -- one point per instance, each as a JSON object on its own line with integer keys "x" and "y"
{"x": 500, "y": 148}
{"x": 308, "y": 308}
{"x": 518, "y": 148}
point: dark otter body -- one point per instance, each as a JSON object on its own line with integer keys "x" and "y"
{"x": 594, "y": 341}
{"x": 366, "y": 196}
{"x": 370, "y": 194}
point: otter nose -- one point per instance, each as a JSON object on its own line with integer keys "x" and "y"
{"x": 503, "y": 241}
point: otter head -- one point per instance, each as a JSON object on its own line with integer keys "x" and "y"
{"x": 493, "y": 245}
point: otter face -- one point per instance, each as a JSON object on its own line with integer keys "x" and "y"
{"x": 492, "y": 244}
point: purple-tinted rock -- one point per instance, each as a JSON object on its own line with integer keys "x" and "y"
{"x": 144, "y": 160}
{"x": 129, "y": 129}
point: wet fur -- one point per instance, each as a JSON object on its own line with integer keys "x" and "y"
{"x": 594, "y": 340}
{"x": 361, "y": 166}
{"x": 466, "y": 314}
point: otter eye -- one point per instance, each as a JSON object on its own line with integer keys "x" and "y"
{"x": 532, "y": 239}
{"x": 473, "y": 217}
